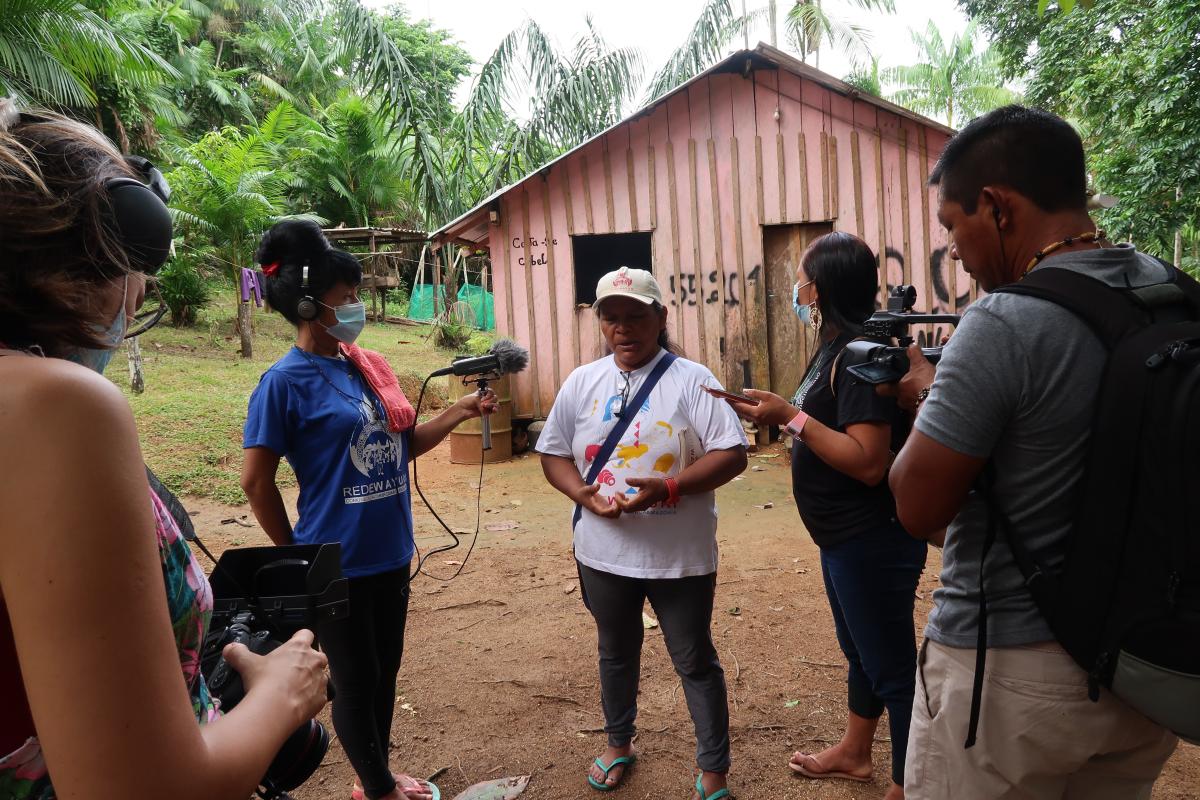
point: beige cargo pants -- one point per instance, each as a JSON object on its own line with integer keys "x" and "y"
{"x": 1039, "y": 734}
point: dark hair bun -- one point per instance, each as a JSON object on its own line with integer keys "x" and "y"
{"x": 292, "y": 241}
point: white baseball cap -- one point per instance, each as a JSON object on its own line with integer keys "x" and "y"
{"x": 625, "y": 282}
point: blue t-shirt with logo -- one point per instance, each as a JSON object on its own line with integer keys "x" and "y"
{"x": 321, "y": 415}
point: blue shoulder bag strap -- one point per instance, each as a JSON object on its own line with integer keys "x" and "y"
{"x": 614, "y": 436}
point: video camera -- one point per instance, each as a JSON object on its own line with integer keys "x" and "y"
{"x": 261, "y": 597}
{"x": 876, "y": 363}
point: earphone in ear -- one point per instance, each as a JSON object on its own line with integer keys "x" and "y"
{"x": 996, "y": 216}
{"x": 306, "y": 307}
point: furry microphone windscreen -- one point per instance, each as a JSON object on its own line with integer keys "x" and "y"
{"x": 510, "y": 355}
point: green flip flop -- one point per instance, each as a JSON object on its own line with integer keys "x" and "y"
{"x": 719, "y": 794}
{"x": 626, "y": 761}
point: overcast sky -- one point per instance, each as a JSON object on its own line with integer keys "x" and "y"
{"x": 656, "y": 27}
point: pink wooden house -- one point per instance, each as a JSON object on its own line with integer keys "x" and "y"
{"x": 716, "y": 187}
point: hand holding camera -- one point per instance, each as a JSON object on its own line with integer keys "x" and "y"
{"x": 919, "y": 377}
{"x": 294, "y": 669}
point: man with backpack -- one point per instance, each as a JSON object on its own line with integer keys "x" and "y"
{"x": 1068, "y": 579}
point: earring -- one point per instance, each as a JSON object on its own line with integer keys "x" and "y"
{"x": 814, "y": 317}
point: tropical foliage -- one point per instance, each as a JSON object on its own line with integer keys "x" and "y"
{"x": 955, "y": 80}
{"x": 260, "y": 109}
{"x": 1128, "y": 75}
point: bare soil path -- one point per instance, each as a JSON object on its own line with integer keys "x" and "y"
{"x": 499, "y": 675}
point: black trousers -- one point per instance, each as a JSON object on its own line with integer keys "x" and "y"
{"x": 364, "y": 651}
{"x": 684, "y": 608}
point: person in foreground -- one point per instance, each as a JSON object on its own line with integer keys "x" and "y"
{"x": 336, "y": 412}
{"x": 1015, "y": 390}
{"x": 845, "y": 435}
{"x": 103, "y": 610}
{"x": 646, "y": 515}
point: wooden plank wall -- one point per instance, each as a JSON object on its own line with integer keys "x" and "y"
{"x": 704, "y": 172}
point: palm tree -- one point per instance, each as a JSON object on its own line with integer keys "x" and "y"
{"x": 867, "y": 79}
{"x": 52, "y": 52}
{"x": 704, "y": 45}
{"x": 809, "y": 25}
{"x": 806, "y": 24}
{"x": 576, "y": 95}
{"x": 957, "y": 81}
{"x": 231, "y": 185}
{"x": 355, "y": 166}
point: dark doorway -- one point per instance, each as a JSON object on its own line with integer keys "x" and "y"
{"x": 597, "y": 254}
{"x": 789, "y": 344}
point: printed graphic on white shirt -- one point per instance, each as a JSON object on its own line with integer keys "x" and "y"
{"x": 676, "y": 425}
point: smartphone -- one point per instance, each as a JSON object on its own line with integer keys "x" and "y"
{"x": 724, "y": 395}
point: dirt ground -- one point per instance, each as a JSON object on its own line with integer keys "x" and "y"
{"x": 499, "y": 675}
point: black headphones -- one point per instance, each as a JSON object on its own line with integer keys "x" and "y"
{"x": 306, "y": 307}
{"x": 140, "y": 215}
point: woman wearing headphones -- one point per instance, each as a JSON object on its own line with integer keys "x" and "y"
{"x": 845, "y": 436}
{"x": 102, "y": 608}
{"x": 336, "y": 412}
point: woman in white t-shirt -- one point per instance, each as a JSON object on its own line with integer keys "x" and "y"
{"x": 646, "y": 527}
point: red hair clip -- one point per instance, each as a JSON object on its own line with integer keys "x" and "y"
{"x": 270, "y": 269}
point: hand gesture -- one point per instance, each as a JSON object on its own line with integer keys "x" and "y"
{"x": 475, "y": 405}
{"x": 651, "y": 491}
{"x": 919, "y": 376}
{"x": 771, "y": 409}
{"x": 294, "y": 669}
{"x": 589, "y": 498}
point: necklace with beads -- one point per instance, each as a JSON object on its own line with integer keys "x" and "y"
{"x": 1083, "y": 238}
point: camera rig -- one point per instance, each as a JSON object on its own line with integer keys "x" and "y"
{"x": 873, "y": 362}
{"x": 261, "y": 597}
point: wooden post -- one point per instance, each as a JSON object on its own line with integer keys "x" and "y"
{"x": 856, "y": 172}
{"x": 376, "y": 311}
{"x": 137, "y": 381}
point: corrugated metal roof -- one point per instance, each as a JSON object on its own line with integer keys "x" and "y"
{"x": 741, "y": 61}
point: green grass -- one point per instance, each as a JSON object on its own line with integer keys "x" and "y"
{"x": 197, "y": 385}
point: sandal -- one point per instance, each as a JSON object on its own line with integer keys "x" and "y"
{"x": 719, "y": 794}
{"x": 808, "y": 773}
{"x": 357, "y": 792}
{"x": 625, "y": 761}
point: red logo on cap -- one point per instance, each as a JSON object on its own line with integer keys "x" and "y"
{"x": 622, "y": 281}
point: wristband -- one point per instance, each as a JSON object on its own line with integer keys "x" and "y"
{"x": 796, "y": 426}
{"x": 672, "y": 492}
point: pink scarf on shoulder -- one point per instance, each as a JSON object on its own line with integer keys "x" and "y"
{"x": 378, "y": 373}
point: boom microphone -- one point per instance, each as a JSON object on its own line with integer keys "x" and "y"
{"x": 504, "y": 357}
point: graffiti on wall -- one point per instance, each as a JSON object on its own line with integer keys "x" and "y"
{"x": 535, "y": 258}
{"x": 939, "y": 272}
{"x": 690, "y": 292}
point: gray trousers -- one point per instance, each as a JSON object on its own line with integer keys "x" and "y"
{"x": 684, "y": 608}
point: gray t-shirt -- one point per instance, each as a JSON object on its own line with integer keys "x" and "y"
{"x": 1017, "y": 384}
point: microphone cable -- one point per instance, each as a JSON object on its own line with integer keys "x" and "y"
{"x": 421, "y": 559}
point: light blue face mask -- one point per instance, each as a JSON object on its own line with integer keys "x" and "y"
{"x": 98, "y": 358}
{"x": 351, "y": 319}
{"x": 803, "y": 312}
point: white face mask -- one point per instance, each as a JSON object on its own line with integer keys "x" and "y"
{"x": 98, "y": 358}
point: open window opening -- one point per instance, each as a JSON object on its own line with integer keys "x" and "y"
{"x": 597, "y": 254}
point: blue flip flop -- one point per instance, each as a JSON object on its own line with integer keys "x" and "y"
{"x": 626, "y": 761}
{"x": 719, "y": 794}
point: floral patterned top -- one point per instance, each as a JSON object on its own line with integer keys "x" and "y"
{"x": 23, "y": 774}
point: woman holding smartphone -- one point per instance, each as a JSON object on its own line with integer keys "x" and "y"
{"x": 845, "y": 436}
